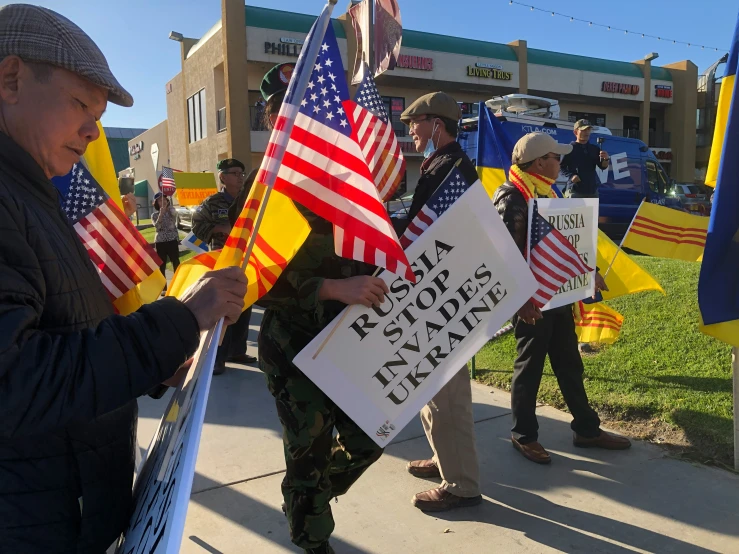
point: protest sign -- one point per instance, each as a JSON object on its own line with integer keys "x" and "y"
{"x": 162, "y": 490}
{"x": 577, "y": 220}
{"x": 381, "y": 365}
{"x": 193, "y": 188}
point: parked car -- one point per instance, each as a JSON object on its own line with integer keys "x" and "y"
{"x": 693, "y": 198}
{"x": 184, "y": 216}
{"x": 398, "y": 204}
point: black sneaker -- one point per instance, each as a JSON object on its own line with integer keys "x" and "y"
{"x": 220, "y": 368}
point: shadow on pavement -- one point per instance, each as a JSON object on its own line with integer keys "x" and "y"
{"x": 640, "y": 478}
{"x": 261, "y": 519}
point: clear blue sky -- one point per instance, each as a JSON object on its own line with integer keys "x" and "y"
{"x": 133, "y": 33}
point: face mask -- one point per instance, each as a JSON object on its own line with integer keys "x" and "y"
{"x": 430, "y": 147}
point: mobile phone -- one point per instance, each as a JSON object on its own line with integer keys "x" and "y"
{"x": 125, "y": 185}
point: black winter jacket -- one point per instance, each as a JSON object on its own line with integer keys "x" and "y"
{"x": 433, "y": 171}
{"x": 70, "y": 371}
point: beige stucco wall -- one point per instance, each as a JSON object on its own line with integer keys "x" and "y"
{"x": 143, "y": 166}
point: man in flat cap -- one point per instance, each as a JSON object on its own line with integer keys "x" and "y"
{"x": 210, "y": 223}
{"x": 433, "y": 120}
{"x": 536, "y": 160}
{"x": 70, "y": 368}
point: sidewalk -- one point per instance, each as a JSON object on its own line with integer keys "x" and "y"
{"x": 585, "y": 501}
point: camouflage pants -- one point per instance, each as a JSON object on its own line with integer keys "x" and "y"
{"x": 319, "y": 466}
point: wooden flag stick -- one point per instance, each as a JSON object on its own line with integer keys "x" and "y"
{"x": 620, "y": 246}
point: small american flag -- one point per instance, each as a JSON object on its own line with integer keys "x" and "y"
{"x": 319, "y": 163}
{"x": 166, "y": 181}
{"x": 552, "y": 259}
{"x": 119, "y": 252}
{"x": 377, "y": 138}
{"x": 446, "y": 194}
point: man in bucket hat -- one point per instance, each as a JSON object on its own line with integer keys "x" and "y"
{"x": 70, "y": 368}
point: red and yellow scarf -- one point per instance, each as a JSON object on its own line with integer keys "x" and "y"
{"x": 531, "y": 185}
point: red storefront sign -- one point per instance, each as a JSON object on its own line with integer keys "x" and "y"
{"x": 663, "y": 91}
{"x": 619, "y": 88}
{"x": 416, "y": 62}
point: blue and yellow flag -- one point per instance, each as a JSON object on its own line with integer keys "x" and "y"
{"x": 718, "y": 288}
{"x": 494, "y": 150}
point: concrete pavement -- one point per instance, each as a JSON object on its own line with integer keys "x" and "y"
{"x": 585, "y": 501}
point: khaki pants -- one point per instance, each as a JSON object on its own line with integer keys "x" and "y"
{"x": 450, "y": 429}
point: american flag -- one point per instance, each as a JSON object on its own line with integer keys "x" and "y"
{"x": 377, "y": 138}
{"x": 166, "y": 181}
{"x": 445, "y": 195}
{"x": 552, "y": 259}
{"x": 319, "y": 162}
{"x": 119, "y": 252}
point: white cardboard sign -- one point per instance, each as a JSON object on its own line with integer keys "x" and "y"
{"x": 381, "y": 365}
{"x": 162, "y": 489}
{"x": 577, "y": 220}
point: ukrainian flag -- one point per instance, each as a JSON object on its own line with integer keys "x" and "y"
{"x": 195, "y": 244}
{"x": 718, "y": 288}
{"x": 494, "y": 150}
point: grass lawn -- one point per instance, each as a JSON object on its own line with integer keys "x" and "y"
{"x": 662, "y": 380}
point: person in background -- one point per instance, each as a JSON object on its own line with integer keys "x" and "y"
{"x": 447, "y": 420}
{"x": 552, "y": 333}
{"x": 71, "y": 369}
{"x": 579, "y": 165}
{"x": 312, "y": 290}
{"x": 211, "y": 224}
{"x": 240, "y": 329}
{"x": 166, "y": 238}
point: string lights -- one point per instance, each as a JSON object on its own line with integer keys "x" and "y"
{"x": 609, "y": 27}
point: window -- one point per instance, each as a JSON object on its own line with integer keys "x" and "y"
{"x": 598, "y": 119}
{"x": 196, "y": 121}
{"x": 657, "y": 180}
{"x": 469, "y": 109}
{"x": 394, "y": 107}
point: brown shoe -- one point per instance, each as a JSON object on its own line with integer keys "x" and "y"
{"x": 423, "y": 469}
{"x": 440, "y": 500}
{"x": 607, "y": 441}
{"x": 532, "y": 451}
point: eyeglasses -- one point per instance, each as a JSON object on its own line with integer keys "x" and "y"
{"x": 238, "y": 173}
{"x": 413, "y": 124}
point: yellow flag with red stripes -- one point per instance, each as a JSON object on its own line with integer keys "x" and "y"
{"x": 597, "y": 323}
{"x": 280, "y": 235}
{"x": 667, "y": 233}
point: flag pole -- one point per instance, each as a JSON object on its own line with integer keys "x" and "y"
{"x": 620, "y": 246}
{"x": 273, "y": 165}
{"x": 735, "y": 367}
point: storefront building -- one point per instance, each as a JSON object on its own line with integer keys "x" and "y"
{"x": 639, "y": 100}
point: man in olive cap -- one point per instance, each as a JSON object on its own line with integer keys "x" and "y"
{"x": 433, "y": 120}
{"x": 210, "y": 223}
{"x": 70, "y": 368}
{"x": 273, "y": 89}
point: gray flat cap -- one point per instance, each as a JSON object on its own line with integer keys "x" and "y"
{"x": 37, "y": 34}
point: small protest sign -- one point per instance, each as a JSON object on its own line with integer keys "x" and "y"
{"x": 577, "y": 220}
{"x": 382, "y": 364}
